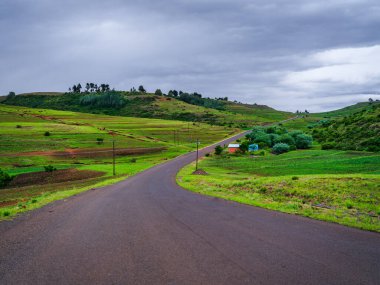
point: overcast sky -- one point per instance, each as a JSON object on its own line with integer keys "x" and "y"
{"x": 290, "y": 54}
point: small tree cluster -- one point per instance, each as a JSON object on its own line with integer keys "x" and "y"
{"x": 276, "y": 135}
{"x": 90, "y": 88}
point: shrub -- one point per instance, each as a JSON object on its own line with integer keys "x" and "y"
{"x": 244, "y": 146}
{"x": 328, "y": 146}
{"x": 303, "y": 141}
{"x": 50, "y": 168}
{"x": 286, "y": 138}
{"x": 47, "y": 134}
{"x": 207, "y": 154}
{"x": 18, "y": 127}
{"x": 295, "y": 178}
{"x": 263, "y": 138}
{"x": 279, "y": 148}
{"x": 99, "y": 140}
{"x": 5, "y": 178}
{"x": 218, "y": 150}
{"x": 133, "y": 160}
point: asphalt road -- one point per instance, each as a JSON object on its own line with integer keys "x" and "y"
{"x": 148, "y": 230}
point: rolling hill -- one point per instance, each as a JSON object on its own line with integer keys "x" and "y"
{"x": 148, "y": 105}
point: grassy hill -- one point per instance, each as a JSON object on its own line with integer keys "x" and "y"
{"x": 79, "y": 146}
{"x": 148, "y": 105}
{"x": 307, "y": 121}
{"x": 358, "y": 131}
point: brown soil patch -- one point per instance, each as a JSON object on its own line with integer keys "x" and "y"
{"x": 199, "y": 172}
{"x": 91, "y": 152}
{"x": 8, "y": 203}
{"x": 65, "y": 175}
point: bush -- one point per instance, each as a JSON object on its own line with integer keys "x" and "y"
{"x": 326, "y": 146}
{"x": 18, "y": 127}
{"x": 295, "y": 178}
{"x": 99, "y": 140}
{"x": 303, "y": 141}
{"x": 5, "y": 178}
{"x": 286, "y": 138}
{"x": 47, "y": 134}
{"x": 50, "y": 168}
{"x": 133, "y": 160}
{"x": 218, "y": 150}
{"x": 279, "y": 148}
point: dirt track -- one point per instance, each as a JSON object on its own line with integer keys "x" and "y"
{"x": 148, "y": 230}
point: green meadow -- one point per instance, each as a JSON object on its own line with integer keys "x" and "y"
{"x": 329, "y": 185}
{"x": 31, "y": 139}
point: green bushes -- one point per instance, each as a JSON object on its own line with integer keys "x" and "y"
{"x": 218, "y": 150}
{"x": 106, "y": 100}
{"x": 276, "y": 135}
{"x": 5, "y": 178}
{"x": 303, "y": 141}
{"x": 279, "y": 148}
{"x": 50, "y": 168}
{"x": 358, "y": 131}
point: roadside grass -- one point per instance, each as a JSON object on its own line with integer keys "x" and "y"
{"x": 335, "y": 186}
{"x": 25, "y": 149}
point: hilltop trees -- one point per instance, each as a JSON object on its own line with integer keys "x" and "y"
{"x": 158, "y": 92}
{"x": 90, "y": 88}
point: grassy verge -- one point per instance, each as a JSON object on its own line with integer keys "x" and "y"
{"x": 335, "y": 186}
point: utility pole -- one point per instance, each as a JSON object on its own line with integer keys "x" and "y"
{"x": 196, "y": 161}
{"x": 113, "y": 156}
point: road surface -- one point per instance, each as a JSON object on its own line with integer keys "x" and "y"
{"x": 148, "y": 230}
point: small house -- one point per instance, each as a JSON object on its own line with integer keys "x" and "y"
{"x": 233, "y": 147}
{"x": 253, "y": 147}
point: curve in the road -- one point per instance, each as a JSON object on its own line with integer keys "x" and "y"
{"x": 148, "y": 230}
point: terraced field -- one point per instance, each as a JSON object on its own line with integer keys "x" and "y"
{"x": 31, "y": 139}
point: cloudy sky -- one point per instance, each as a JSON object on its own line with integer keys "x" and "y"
{"x": 288, "y": 54}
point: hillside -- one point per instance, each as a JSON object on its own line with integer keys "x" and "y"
{"x": 79, "y": 146}
{"x": 358, "y": 131}
{"x": 149, "y": 105}
{"x": 307, "y": 121}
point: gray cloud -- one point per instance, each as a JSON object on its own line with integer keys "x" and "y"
{"x": 268, "y": 52}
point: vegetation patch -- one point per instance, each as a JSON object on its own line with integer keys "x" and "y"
{"x": 49, "y": 177}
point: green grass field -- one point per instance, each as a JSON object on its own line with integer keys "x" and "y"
{"x": 72, "y": 143}
{"x": 336, "y": 186}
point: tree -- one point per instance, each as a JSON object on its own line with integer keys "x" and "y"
{"x": 175, "y": 93}
{"x": 303, "y": 141}
{"x": 244, "y": 146}
{"x": 279, "y": 148}
{"x": 5, "y": 178}
{"x": 158, "y": 92}
{"x": 11, "y": 94}
{"x": 141, "y": 89}
{"x": 87, "y": 87}
{"x": 218, "y": 150}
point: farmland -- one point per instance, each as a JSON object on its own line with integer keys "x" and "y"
{"x": 32, "y": 138}
{"x": 330, "y": 185}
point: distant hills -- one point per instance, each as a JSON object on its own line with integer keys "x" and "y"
{"x": 148, "y": 105}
